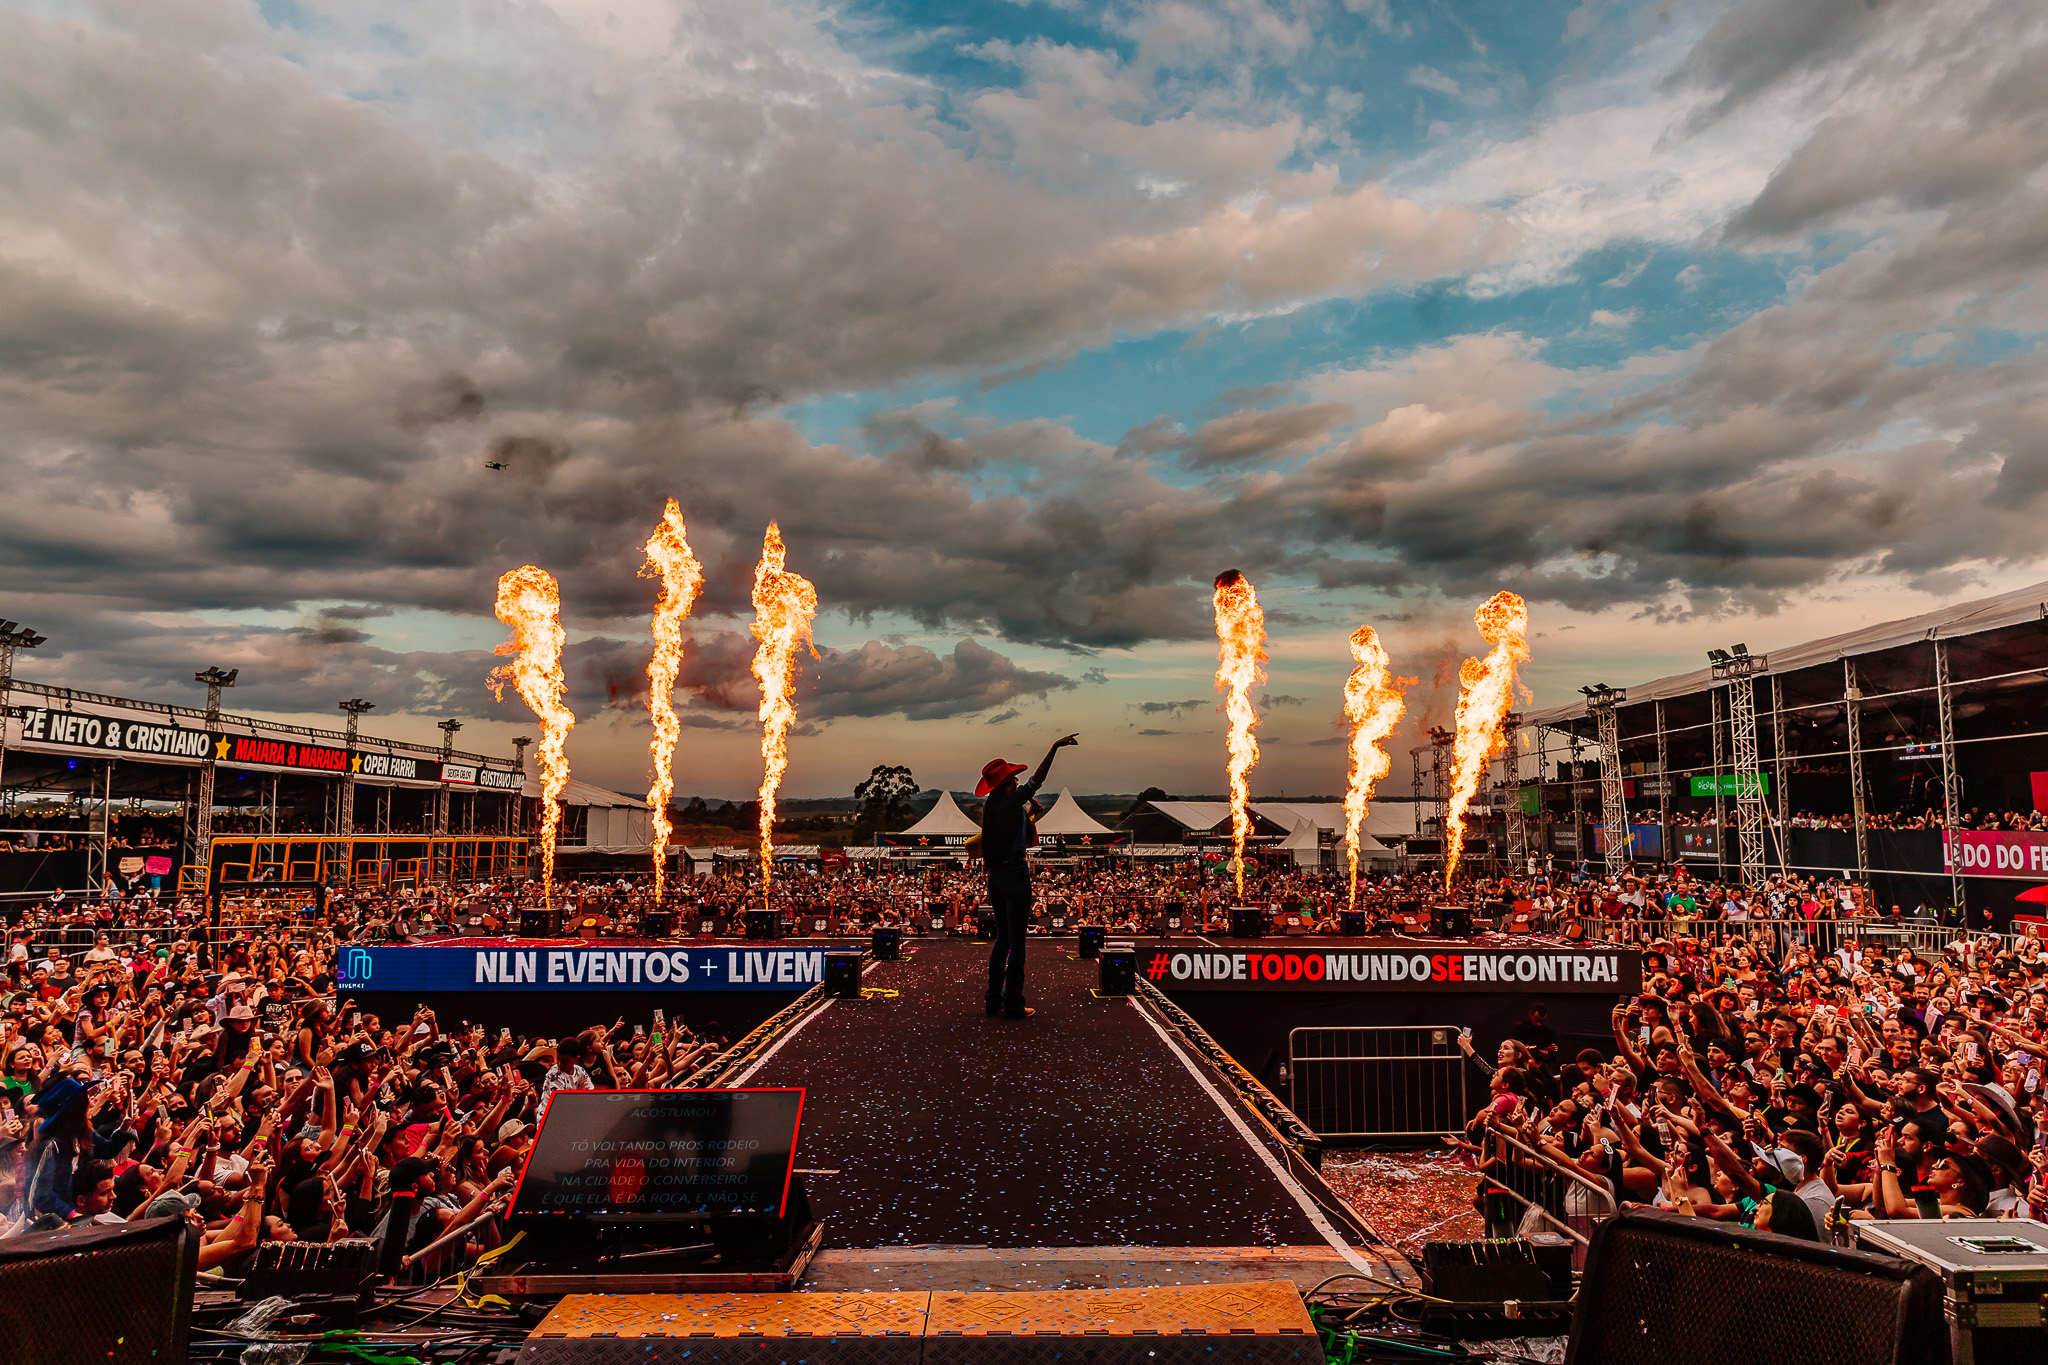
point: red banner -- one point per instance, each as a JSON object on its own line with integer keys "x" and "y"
{"x": 2019, "y": 855}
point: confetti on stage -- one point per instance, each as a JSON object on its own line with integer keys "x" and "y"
{"x": 1408, "y": 1198}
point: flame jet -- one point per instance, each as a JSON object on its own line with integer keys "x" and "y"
{"x": 1486, "y": 689}
{"x": 1241, "y": 649}
{"x": 670, "y": 560}
{"x": 784, "y": 604}
{"x": 1373, "y": 705}
{"x": 530, "y": 602}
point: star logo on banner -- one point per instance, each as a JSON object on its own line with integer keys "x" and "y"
{"x": 220, "y": 748}
{"x": 355, "y": 763}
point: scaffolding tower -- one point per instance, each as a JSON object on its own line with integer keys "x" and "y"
{"x": 1737, "y": 668}
{"x": 1600, "y": 703}
{"x": 1511, "y": 777}
{"x": 1951, "y": 780}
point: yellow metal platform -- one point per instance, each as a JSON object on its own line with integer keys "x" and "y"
{"x": 1256, "y": 1322}
{"x": 736, "y": 1315}
{"x": 1252, "y": 1308}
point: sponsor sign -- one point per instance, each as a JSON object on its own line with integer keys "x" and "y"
{"x": 922, "y": 840}
{"x": 112, "y": 734}
{"x": 1730, "y": 784}
{"x": 459, "y": 774}
{"x": 404, "y": 767}
{"x": 1468, "y": 971}
{"x": 236, "y": 750}
{"x": 2009, "y": 853}
{"x": 1699, "y": 841}
{"x": 513, "y": 968}
{"x": 500, "y": 779}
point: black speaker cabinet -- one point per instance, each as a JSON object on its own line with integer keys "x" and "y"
{"x": 1450, "y": 921}
{"x": 1117, "y": 973}
{"x": 886, "y": 944}
{"x": 1351, "y": 923}
{"x": 533, "y": 922}
{"x": 842, "y": 976}
{"x": 1247, "y": 921}
{"x": 762, "y": 924}
{"x": 120, "y": 1293}
{"x": 1091, "y": 940}
{"x": 985, "y": 924}
{"x": 1664, "y": 1289}
{"x": 659, "y": 924}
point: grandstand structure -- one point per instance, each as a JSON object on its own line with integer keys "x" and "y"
{"x": 95, "y": 788}
{"x": 1873, "y": 755}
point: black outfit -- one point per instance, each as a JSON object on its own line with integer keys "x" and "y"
{"x": 1005, "y": 829}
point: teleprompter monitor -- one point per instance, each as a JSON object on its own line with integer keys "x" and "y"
{"x": 649, "y": 1156}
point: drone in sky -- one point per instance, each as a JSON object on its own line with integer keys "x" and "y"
{"x": 493, "y": 464}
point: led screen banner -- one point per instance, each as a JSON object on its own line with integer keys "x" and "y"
{"x": 2013, "y": 854}
{"x": 628, "y": 1156}
{"x": 645, "y": 967}
{"x": 1200, "y": 967}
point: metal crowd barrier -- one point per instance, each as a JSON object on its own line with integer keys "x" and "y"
{"x": 1571, "y": 1201}
{"x": 1367, "y": 1084}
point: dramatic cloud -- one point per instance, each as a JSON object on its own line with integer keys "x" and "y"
{"x": 1681, "y": 311}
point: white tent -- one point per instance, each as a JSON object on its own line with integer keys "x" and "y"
{"x": 945, "y": 818}
{"x": 613, "y": 821}
{"x": 1067, "y": 817}
{"x": 1304, "y": 844}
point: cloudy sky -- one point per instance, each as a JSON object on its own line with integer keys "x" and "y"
{"x": 1693, "y": 322}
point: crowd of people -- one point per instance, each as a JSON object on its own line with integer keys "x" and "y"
{"x": 1791, "y": 1088}
{"x": 217, "y": 1077}
{"x": 152, "y": 1065}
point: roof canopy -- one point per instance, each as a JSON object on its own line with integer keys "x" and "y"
{"x": 945, "y": 818}
{"x": 1964, "y": 618}
{"x": 1067, "y": 817}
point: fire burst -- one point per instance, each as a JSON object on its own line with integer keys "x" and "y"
{"x": 784, "y": 604}
{"x": 670, "y": 560}
{"x": 1241, "y": 640}
{"x": 1486, "y": 689}
{"x": 1372, "y": 706}
{"x": 531, "y": 603}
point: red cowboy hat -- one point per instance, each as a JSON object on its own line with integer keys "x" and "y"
{"x": 996, "y": 772}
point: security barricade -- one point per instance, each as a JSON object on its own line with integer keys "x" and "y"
{"x": 1358, "y": 1085}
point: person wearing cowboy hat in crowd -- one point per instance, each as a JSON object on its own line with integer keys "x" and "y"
{"x": 1005, "y": 834}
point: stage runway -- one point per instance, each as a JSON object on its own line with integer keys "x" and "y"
{"x": 1084, "y": 1146}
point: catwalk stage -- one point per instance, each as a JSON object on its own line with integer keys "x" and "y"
{"x": 1087, "y": 1147}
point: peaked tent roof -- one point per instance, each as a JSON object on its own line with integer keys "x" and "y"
{"x": 576, "y": 793}
{"x": 1330, "y": 815}
{"x": 1194, "y": 814}
{"x": 1067, "y": 817}
{"x": 945, "y": 818}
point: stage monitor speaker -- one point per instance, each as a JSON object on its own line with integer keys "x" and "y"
{"x": 120, "y": 1293}
{"x": 762, "y": 924}
{"x": 842, "y": 976}
{"x": 1091, "y": 941}
{"x": 533, "y": 922}
{"x": 886, "y": 944}
{"x": 1118, "y": 972}
{"x": 985, "y": 924}
{"x": 1247, "y": 921}
{"x": 1450, "y": 921}
{"x": 659, "y": 924}
{"x": 1351, "y": 923}
{"x": 1664, "y": 1289}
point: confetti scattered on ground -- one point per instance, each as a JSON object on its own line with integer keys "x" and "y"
{"x": 1408, "y": 1198}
